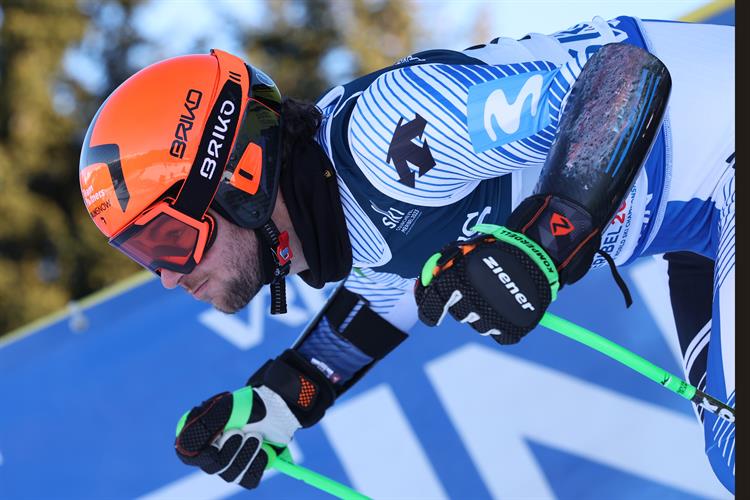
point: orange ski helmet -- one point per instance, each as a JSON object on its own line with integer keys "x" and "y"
{"x": 175, "y": 138}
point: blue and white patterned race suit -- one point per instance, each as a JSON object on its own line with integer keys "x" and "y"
{"x": 443, "y": 140}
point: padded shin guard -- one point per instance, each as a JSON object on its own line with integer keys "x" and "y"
{"x": 609, "y": 124}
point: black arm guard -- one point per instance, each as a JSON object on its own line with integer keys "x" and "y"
{"x": 610, "y": 122}
{"x": 355, "y": 326}
{"x": 304, "y": 381}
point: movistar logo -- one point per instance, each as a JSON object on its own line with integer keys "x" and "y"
{"x": 507, "y": 113}
{"x": 508, "y": 109}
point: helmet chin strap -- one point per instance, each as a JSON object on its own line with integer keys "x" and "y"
{"x": 276, "y": 259}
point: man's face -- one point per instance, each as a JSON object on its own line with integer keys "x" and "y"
{"x": 228, "y": 276}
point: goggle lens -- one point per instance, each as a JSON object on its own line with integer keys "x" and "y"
{"x": 164, "y": 242}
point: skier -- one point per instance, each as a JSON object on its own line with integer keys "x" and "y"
{"x": 475, "y": 183}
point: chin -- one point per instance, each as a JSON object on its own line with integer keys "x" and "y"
{"x": 225, "y": 309}
{"x": 236, "y": 297}
{"x": 229, "y": 308}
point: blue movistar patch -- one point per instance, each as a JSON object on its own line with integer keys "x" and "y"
{"x": 508, "y": 109}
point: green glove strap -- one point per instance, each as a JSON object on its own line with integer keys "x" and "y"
{"x": 242, "y": 406}
{"x": 428, "y": 267}
{"x": 181, "y": 423}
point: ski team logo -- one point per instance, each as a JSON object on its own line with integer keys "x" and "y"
{"x": 403, "y": 150}
{"x": 507, "y": 109}
{"x": 397, "y": 220}
{"x": 560, "y": 225}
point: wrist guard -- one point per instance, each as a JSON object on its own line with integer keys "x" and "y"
{"x": 563, "y": 228}
{"x": 304, "y": 389}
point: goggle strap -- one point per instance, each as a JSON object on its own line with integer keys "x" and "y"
{"x": 213, "y": 151}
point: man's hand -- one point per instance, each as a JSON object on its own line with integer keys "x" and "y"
{"x": 499, "y": 282}
{"x": 231, "y": 434}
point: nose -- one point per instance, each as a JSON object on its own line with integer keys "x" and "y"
{"x": 169, "y": 279}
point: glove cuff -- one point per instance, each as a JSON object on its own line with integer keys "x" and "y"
{"x": 563, "y": 228}
{"x": 304, "y": 389}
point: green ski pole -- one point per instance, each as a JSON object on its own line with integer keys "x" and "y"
{"x": 637, "y": 363}
{"x": 283, "y": 462}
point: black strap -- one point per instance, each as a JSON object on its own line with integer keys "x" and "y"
{"x": 205, "y": 175}
{"x": 270, "y": 233}
{"x": 618, "y": 279}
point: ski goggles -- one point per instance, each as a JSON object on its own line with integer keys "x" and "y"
{"x": 165, "y": 238}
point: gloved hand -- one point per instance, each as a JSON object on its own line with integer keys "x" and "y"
{"x": 232, "y": 434}
{"x": 500, "y": 283}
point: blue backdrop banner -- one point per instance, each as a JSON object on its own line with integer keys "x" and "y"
{"x": 90, "y": 404}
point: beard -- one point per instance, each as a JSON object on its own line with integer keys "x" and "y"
{"x": 246, "y": 281}
{"x": 240, "y": 291}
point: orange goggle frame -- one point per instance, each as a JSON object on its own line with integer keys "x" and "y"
{"x": 164, "y": 238}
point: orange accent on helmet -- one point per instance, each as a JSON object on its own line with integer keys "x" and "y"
{"x": 180, "y": 128}
{"x": 247, "y": 174}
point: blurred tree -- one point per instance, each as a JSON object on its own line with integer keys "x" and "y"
{"x": 379, "y": 32}
{"x": 110, "y": 39}
{"x": 50, "y": 252}
{"x": 35, "y": 244}
{"x": 481, "y": 32}
{"x": 309, "y": 45}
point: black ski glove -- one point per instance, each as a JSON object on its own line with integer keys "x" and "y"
{"x": 232, "y": 434}
{"x": 499, "y": 282}
{"x": 238, "y": 435}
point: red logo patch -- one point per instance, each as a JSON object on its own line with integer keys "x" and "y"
{"x": 560, "y": 225}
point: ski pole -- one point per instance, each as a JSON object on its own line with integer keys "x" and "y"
{"x": 283, "y": 462}
{"x": 637, "y": 363}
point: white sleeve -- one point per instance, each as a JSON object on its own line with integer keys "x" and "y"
{"x": 580, "y": 40}
{"x": 428, "y": 134}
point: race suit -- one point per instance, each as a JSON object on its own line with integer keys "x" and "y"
{"x": 443, "y": 140}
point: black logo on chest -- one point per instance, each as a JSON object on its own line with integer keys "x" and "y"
{"x": 403, "y": 150}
